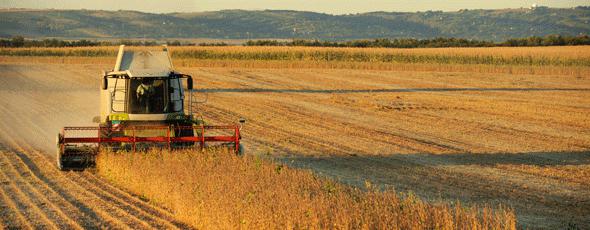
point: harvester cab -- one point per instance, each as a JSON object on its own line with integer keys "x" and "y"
{"x": 142, "y": 105}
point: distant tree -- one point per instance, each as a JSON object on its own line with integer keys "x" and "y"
{"x": 18, "y": 41}
{"x": 554, "y": 40}
{"x": 211, "y": 44}
{"x": 173, "y": 43}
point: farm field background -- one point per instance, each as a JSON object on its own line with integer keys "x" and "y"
{"x": 566, "y": 60}
{"x": 518, "y": 135}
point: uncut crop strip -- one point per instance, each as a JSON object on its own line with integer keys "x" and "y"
{"x": 530, "y": 56}
{"x": 378, "y": 56}
{"x": 221, "y": 190}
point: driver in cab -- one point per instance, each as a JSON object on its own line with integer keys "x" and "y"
{"x": 145, "y": 93}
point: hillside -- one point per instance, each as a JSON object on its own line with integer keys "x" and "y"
{"x": 497, "y": 25}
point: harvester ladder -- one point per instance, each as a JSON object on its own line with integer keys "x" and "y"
{"x": 193, "y": 101}
{"x": 118, "y": 103}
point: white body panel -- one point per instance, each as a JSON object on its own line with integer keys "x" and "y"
{"x": 139, "y": 64}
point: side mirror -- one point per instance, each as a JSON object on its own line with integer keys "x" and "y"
{"x": 189, "y": 82}
{"x": 105, "y": 83}
{"x": 242, "y": 122}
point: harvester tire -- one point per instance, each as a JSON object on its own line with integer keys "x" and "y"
{"x": 241, "y": 150}
{"x": 59, "y": 164}
{"x": 59, "y": 152}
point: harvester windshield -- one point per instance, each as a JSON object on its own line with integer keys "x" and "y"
{"x": 149, "y": 96}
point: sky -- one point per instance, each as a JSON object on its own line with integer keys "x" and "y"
{"x": 324, "y": 6}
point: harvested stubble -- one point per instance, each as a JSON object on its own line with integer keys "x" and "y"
{"x": 216, "y": 189}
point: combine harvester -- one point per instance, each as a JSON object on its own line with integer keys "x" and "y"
{"x": 142, "y": 106}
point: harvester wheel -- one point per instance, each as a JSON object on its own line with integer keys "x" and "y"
{"x": 59, "y": 164}
{"x": 241, "y": 150}
{"x": 59, "y": 151}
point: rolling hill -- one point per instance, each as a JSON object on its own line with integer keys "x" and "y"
{"x": 497, "y": 25}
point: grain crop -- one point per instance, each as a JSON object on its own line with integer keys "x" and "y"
{"x": 574, "y": 61}
{"x": 217, "y": 189}
{"x": 529, "y": 56}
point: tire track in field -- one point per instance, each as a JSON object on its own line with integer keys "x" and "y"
{"x": 457, "y": 139}
{"x": 25, "y": 203}
{"x": 110, "y": 208}
{"x": 153, "y": 210}
{"x": 303, "y": 112}
{"x": 76, "y": 194}
{"x": 12, "y": 217}
{"x": 144, "y": 215}
{"x": 56, "y": 187}
{"x": 135, "y": 214}
{"x": 47, "y": 205}
{"x": 361, "y": 132}
{"x": 57, "y": 193}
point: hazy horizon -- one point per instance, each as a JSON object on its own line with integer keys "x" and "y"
{"x": 322, "y": 6}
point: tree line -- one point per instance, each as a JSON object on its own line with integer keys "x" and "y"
{"x": 550, "y": 40}
{"x": 19, "y": 41}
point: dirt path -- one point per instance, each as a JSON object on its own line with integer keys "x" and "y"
{"x": 516, "y": 140}
{"x": 37, "y": 101}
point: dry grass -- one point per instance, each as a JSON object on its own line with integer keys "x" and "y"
{"x": 216, "y": 189}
